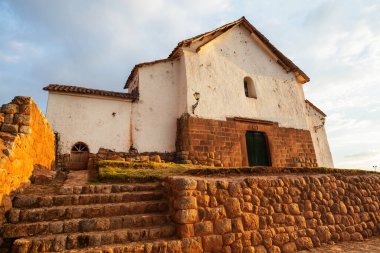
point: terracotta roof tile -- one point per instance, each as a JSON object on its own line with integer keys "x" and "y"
{"x": 88, "y": 91}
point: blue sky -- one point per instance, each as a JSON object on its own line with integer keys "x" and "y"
{"x": 96, "y": 43}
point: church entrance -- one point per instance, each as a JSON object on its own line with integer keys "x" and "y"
{"x": 257, "y": 149}
{"x": 79, "y": 156}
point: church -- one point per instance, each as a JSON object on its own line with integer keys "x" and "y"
{"x": 227, "y": 97}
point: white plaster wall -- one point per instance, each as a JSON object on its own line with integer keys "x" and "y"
{"x": 319, "y": 137}
{"x": 217, "y": 72}
{"x": 89, "y": 120}
{"x": 161, "y": 103}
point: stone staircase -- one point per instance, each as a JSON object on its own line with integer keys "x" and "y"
{"x": 91, "y": 218}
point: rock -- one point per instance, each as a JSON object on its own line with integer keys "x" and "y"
{"x": 215, "y": 213}
{"x": 186, "y": 216}
{"x": 185, "y": 203}
{"x": 185, "y": 230}
{"x": 279, "y": 218}
{"x": 256, "y": 238}
{"x": 232, "y": 206}
{"x": 181, "y": 184}
{"x": 21, "y": 119}
{"x": 235, "y": 189}
{"x": 323, "y": 233}
{"x": 248, "y": 249}
{"x": 212, "y": 243}
{"x": 192, "y": 245}
{"x": 203, "y": 228}
{"x": 274, "y": 249}
{"x": 281, "y": 239}
{"x": 251, "y": 221}
{"x": 304, "y": 243}
{"x": 237, "y": 225}
{"x": 9, "y": 128}
{"x": 330, "y": 218}
{"x": 21, "y": 100}
{"x": 228, "y": 239}
{"x": 237, "y": 246}
{"x": 300, "y": 221}
{"x": 342, "y": 207}
{"x": 294, "y": 209}
{"x": 10, "y": 108}
{"x": 356, "y": 237}
{"x": 222, "y": 226}
{"x": 289, "y": 247}
{"x": 203, "y": 200}
{"x": 260, "y": 249}
{"x": 25, "y": 129}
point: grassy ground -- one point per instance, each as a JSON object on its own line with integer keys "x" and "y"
{"x": 119, "y": 171}
{"x": 139, "y": 171}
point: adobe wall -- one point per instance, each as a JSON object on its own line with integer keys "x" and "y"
{"x": 222, "y": 143}
{"x": 315, "y": 121}
{"x": 217, "y": 73}
{"x": 274, "y": 213}
{"x": 26, "y": 141}
{"x": 97, "y": 121}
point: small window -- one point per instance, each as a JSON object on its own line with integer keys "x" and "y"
{"x": 79, "y": 147}
{"x": 249, "y": 88}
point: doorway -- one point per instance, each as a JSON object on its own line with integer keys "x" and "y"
{"x": 257, "y": 149}
{"x": 79, "y": 156}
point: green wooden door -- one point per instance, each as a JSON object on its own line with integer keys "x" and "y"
{"x": 257, "y": 149}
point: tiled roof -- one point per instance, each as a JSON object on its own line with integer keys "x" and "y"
{"x": 315, "y": 108}
{"x": 88, "y": 91}
{"x": 281, "y": 58}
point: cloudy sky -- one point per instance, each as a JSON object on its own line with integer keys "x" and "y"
{"x": 95, "y": 43}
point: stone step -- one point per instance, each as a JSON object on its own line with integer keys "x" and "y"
{"x": 85, "y": 211}
{"x": 30, "y": 201}
{"x": 84, "y": 225}
{"x": 113, "y": 188}
{"x": 62, "y": 242}
{"x": 170, "y": 245}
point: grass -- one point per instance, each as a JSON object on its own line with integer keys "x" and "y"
{"x": 120, "y": 171}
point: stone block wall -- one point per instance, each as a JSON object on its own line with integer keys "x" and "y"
{"x": 26, "y": 141}
{"x": 274, "y": 213}
{"x": 223, "y": 143}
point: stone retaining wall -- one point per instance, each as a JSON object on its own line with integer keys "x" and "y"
{"x": 26, "y": 142}
{"x": 274, "y": 213}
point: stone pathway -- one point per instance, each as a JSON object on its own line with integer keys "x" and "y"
{"x": 368, "y": 246}
{"x": 79, "y": 177}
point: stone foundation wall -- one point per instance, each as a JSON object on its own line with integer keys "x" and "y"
{"x": 222, "y": 143}
{"x": 274, "y": 213}
{"x": 26, "y": 142}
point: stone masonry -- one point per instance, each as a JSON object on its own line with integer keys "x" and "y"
{"x": 26, "y": 141}
{"x": 222, "y": 143}
{"x": 274, "y": 214}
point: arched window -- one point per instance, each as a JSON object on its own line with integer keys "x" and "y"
{"x": 249, "y": 88}
{"x": 79, "y": 147}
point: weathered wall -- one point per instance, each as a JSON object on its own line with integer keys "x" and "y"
{"x": 319, "y": 137}
{"x": 155, "y": 113}
{"x": 223, "y": 143}
{"x": 217, "y": 72}
{"x": 96, "y": 121}
{"x": 274, "y": 213}
{"x": 26, "y": 141}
